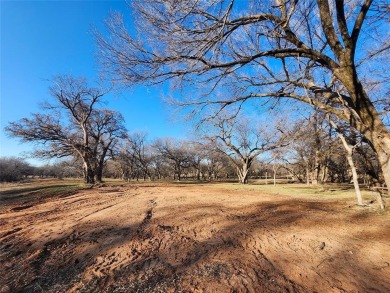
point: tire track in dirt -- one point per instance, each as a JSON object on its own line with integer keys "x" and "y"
{"x": 169, "y": 240}
{"x": 15, "y": 248}
{"x": 170, "y": 259}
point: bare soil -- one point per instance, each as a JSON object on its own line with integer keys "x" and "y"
{"x": 189, "y": 238}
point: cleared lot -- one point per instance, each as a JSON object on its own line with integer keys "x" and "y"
{"x": 189, "y": 238}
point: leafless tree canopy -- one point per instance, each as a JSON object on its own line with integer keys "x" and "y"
{"x": 330, "y": 54}
{"x": 72, "y": 125}
{"x": 174, "y": 151}
{"x": 242, "y": 141}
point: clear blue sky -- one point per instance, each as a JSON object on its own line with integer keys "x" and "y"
{"x": 40, "y": 39}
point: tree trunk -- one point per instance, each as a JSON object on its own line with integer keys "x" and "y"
{"x": 179, "y": 173}
{"x": 89, "y": 174}
{"x": 382, "y": 147}
{"x": 380, "y": 200}
{"x": 99, "y": 174}
{"x": 349, "y": 148}
{"x": 243, "y": 173}
{"x": 369, "y": 123}
{"x": 324, "y": 176}
{"x": 198, "y": 174}
{"x": 354, "y": 177}
{"x": 274, "y": 177}
{"x": 380, "y": 142}
{"x": 315, "y": 177}
{"x": 99, "y": 170}
{"x": 123, "y": 175}
{"x": 317, "y": 167}
{"x": 307, "y": 174}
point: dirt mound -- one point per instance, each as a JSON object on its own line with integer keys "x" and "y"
{"x": 192, "y": 239}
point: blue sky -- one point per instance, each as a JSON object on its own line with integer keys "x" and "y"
{"x": 40, "y": 39}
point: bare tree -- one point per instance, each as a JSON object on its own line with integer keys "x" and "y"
{"x": 73, "y": 126}
{"x": 106, "y": 129}
{"x": 302, "y": 50}
{"x": 277, "y": 161}
{"x": 197, "y": 154}
{"x": 141, "y": 151}
{"x": 14, "y": 169}
{"x": 175, "y": 152}
{"x": 218, "y": 166}
{"x": 242, "y": 142}
{"x": 368, "y": 163}
{"x": 127, "y": 163}
{"x": 311, "y": 152}
{"x": 159, "y": 165}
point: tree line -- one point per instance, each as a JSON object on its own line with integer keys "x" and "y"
{"x": 311, "y": 160}
{"x": 14, "y": 169}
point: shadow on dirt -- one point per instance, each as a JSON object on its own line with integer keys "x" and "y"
{"x": 21, "y": 191}
{"x": 202, "y": 248}
{"x": 26, "y": 197}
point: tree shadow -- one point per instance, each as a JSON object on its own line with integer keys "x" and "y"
{"x": 27, "y": 197}
{"x": 204, "y": 247}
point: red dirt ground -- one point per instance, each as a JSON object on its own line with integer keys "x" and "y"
{"x": 190, "y": 238}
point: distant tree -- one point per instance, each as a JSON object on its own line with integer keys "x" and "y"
{"x": 69, "y": 168}
{"x": 126, "y": 161}
{"x": 135, "y": 156}
{"x": 49, "y": 170}
{"x": 338, "y": 167}
{"x": 73, "y": 126}
{"x": 15, "y": 169}
{"x": 173, "y": 151}
{"x": 197, "y": 154}
{"x": 160, "y": 166}
{"x": 218, "y": 165}
{"x": 139, "y": 148}
{"x": 112, "y": 169}
{"x": 311, "y": 150}
{"x": 276, "y": 162}
{"x": 332, "y": 54}
{"x": 367, "y": 162}
{"x": 106, "y": 129}
{"x": 242, "y": 142}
